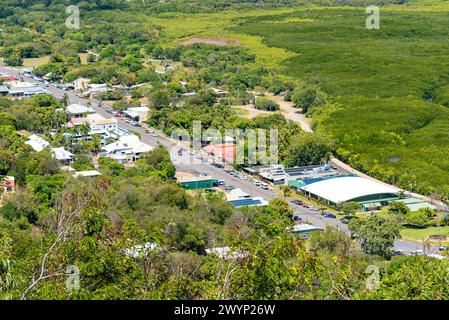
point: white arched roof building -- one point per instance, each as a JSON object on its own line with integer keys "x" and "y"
{"x": 342, "y": 189}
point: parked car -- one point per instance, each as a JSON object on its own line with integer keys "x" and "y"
{"x": 256, "y": 183}
{"x": 397, "y": 252}
{"x": 136, "y": 124}
{"x": 264, "y": 186}
{"x": 297, "y": 202}
{"x": 418, "y": 252}
{"x": 242, "y": 177}
{"x": 347, "y": 219}
{"x": 227, "y": 188}
{"x": 311, "y": 207}
{"x": 443, "y": 248}
{"x": 108, "y": 110}
{"x": 329, "y": 215}
{"x": 118, "y": 115}
{"x": 153, "y": 134}
{"x": 221, "y": 182}
{"x": 203, "y": 174}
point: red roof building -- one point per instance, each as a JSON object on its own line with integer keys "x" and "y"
{"x": 7, "y": 78}
{"x": 8, "y": 184}
{"x": 225, "y": 151}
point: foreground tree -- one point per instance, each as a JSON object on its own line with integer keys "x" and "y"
{"x": 376, "y": 234}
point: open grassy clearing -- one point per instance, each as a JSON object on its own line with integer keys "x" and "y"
{"x": 422, "y": 234}
{"x": 35, "y": 62}
{"x": 215, "y": 25}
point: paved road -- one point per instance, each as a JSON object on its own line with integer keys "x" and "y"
{"x": 187, "y": 165}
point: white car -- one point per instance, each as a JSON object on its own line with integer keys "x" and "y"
{"x": 243, "y": 177}
{"x": 418, "y": 252}
{"x": 256, "y": 183}
{"x": 264, "y": 186}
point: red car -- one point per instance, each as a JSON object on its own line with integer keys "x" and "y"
{"x": 118, "y": 115}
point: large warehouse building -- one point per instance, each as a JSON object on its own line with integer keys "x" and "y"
{"x": 350, "y": 188}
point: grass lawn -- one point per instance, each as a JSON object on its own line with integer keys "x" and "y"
{"x": 242, "y": 112}
{"x": 420, "y": 234}
{"x": 216, "y": 25}
{"x": 35, "y": 62}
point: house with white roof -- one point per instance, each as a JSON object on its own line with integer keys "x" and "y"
{"x": 21, "y": 89}
{"x": 88, "y": 173}
{"x": 126, "y": 149}
{"x": 78, "y": 111}
{"x": 98, "y": 122}
{"x": 62, "y": 155}
{"x": 37, "y": 143}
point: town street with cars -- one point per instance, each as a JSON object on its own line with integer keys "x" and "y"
{"x": 197, "y": 163}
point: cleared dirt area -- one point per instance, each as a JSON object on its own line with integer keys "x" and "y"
{"x": 249, "y": 112}
{"x": 215, "y": 41}
{"x": 291, "y": 112}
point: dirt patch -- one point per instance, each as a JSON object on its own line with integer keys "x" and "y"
{"x": 215, "y": 41}
{"x": 437, "y": 238}
{"x": 249, "y": 112}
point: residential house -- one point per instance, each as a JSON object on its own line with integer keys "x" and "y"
{"x": 37, "y": 143}
{"x": 126, "y": 149}
{"x": 63, "y": 156}
{"x": 7, "y": 184}
{"x": 78, "y": 111}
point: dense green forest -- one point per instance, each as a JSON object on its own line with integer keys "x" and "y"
{"x": 388, "y": 110}
{"x": 378, "y": 99}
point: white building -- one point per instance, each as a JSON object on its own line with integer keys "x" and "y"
{"x": 138, "y": 114}
{"x": 22, "y": 89}
{"x": 126, "y": 149}
{"x": 350, "y": 188}
{"x": 97, "y": 122}
{"x": 62, "y": 155}
{"x": 78, "y": 111}
{"x": 88, "y": 173}
{"x": 37, "y": 143}
{"x": 236, "y": 194}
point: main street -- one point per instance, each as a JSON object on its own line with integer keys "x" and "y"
{"x": 192, "y": 164}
